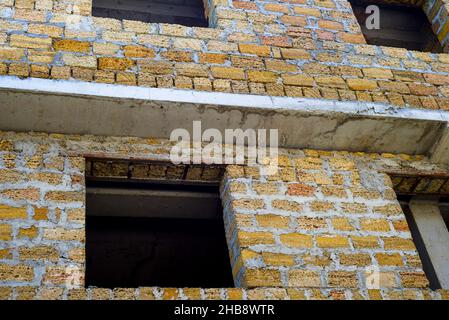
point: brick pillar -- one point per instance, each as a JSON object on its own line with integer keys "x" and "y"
{"x": 318, "y": 224}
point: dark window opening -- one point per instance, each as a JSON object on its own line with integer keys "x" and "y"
{"x": 401, "y": 26}
{"x": 184, "y": 12}
{"x": 149, "y": 234}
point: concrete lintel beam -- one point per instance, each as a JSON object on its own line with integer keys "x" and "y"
{"x": 435, "y": 236}
{"x": 75, "y": 107}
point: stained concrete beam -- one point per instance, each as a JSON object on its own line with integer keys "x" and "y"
{"x": 435, "y": 236}
{"x": 74, "y": 107}
{"x": 440, "y": 151}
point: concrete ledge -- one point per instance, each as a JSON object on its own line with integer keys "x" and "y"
{"x": 74, "y": 107}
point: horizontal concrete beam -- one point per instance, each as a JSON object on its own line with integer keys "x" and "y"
{"x": 435, "y": 236}
{"x": 74, "y": 107}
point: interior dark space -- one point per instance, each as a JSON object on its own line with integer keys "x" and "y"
{"x": 401, "y": 26}
{"x": 184, "y": 12}
{"x": 152, "y": 235}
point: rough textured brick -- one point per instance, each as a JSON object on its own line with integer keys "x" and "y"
{"x": 72, "y": 45}
{"x": 114, "y": 63}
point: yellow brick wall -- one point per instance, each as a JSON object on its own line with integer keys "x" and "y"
{"x": 307, "y": 232}
{"x": 283, "y": 48}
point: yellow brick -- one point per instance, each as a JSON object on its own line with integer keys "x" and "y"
{"x": 235, "y": 294}
{"x": 26, "y": 293}
{"x": 192, "y": 293}
{"x": 379, "y": 225}
{"x": 389, "y": 209}
{"x": 50, "y": 293}
{"x": 334, "y": 191}
{"x": 331, "y": 81}
{"x": 105, "y": 48}
{"x": 287, "y": 205}
{"x": 398, "y": 244}
{"x": 5, "y": 232}
{"x": 6, "y": 145}
{"x": 272, "y": 221}
{"x": 39, "y": 253}
{"x": 135, "y": 26}
{"x": 341, "y": 164}
{"x": 154, "y": 40}
{"x": 146, "y": 293}
{"x": 309, "y": 163}
{"x": 60, "y": 72}
{"x": 39, "y": 56}
{"x": 124, "y": 293}
{"x": 263, "y": 51}
{"x": 107, "y": 23}
{"x": 307, "y": 11}
{"x": 64, "y": 234}
{"x": 64, "y": 196}
{"x": 266, "y": 188}
{"x": 332, "y": 241}
{"x": 30, "y": 15}
{"x": 295, "y": 54}
{"x": 296, "y": 240}
{"x": 297, "y": 80}
{"x": 138, "y": 52}
{"x": 4, "y": 253}
{"x": 357, "y": 259}
{"x": 248, "y": 255}
{"x": 389, "y": 259}
{"x": 52, "y": 31}
{"x": 7, "y": 212}
{"x": 362, "y": 84}
{"x": 118, "y": 36}
{"x": 262, "y": 76}
{"x": 304, "y": 278}
{"x": 250, "y": 204}
{"x": 228, "y": 73}
{"x": 342, "y": 224}
{"x": 30, "y": 232}
{"x": 114, "y": 63}
{"x": 23, "y": 41}
{"x": 343, "y": 279}
{"x": 80, "y": 61}
{"x": 100, "y": 294}
{"x": 377, "y": 73}
{"x": 77, "y": 294}
{"x": 276, "y": 7}
{"x": 154, "y": 67}
{"x": 414, "y": 279}
{"x": 188, "y": 43}
{"x": 16, "y": 273}
{"x": 254, "y": 238}
{"x": 360, "y": 242}
{"x": 278, "y": 259}
{"x": 307, "y": 223}
{"x": 191, "y": 70}
{"x": 72, "y": 45}
{"x": 262, "y": 277}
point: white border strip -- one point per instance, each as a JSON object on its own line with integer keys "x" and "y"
{"x": 306, "y": 105}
